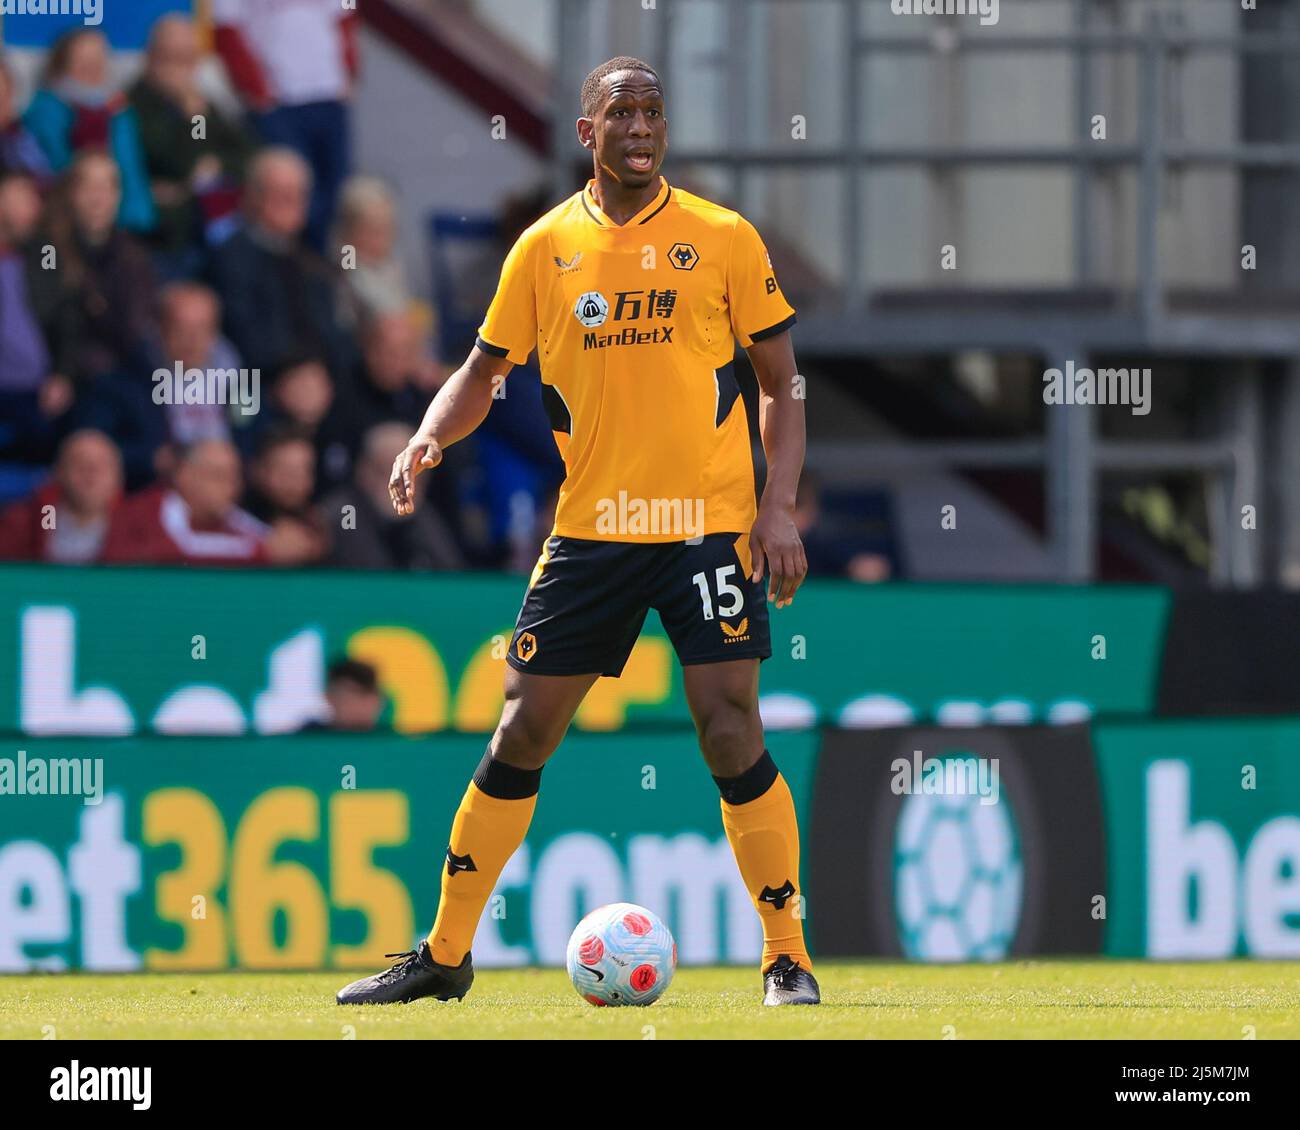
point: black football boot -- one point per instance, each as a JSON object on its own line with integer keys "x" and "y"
{"x": 416, "y": 975}
{"x": 786, "y": 982}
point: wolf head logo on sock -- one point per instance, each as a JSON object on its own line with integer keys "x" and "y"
{"x": 779, "y": 897}
{"x": 459, "y": 862}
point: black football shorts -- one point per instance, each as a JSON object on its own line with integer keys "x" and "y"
{"x": 588, "y": 600}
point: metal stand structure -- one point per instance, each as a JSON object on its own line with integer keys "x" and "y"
{"x": 1079, "y": 322}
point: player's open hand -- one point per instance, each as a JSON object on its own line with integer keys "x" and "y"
{"x": 421, "y": 454}
{"x": 774, "y": 543}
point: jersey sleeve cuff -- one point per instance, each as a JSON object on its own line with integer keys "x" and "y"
{"x": 772, "y": 331}
{"x": 513, "y": 356}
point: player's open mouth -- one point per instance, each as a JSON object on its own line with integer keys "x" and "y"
{"x": 642, "y": 162}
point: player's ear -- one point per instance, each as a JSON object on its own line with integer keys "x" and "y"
{"x": 587, "y": 133}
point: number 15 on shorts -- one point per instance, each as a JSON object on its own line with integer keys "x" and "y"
{"x": 730, "y": 598}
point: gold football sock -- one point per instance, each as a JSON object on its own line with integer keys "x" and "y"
{"x": 490, "y": 825}
{"x": 758, "y": 815}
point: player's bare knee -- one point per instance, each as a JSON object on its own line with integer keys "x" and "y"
{"x": 524, "y": 740}
{"x": 731, "y": 738}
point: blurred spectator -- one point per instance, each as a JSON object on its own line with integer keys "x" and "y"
{"x": 294, "y": 62}
{"x": 34, "y": 398}
{"x": 278, "y": 295}
{"x": 475, "y": 285}
{"x": 395, "y": 381}
{"x": 302, "y": 396}
{"x": 830, "y": 555}
{"x": 375, "y": 285}
{"x": 391, "y": 381}
{"x": 302, "y": 392}
{"x": 77, "y": 109}
{"x": 124, "y": 405}
{"x": 367, "y": 534}
{"x": 352, "y": 691}
{"x": 20, "y": 152}
{"x": 20, "y": 207}
{"x": 24, "y": 358}
{"x": 97, "y": 308}
{"x": 194, "y": 180}
{"x": 524, "y": 550}
{"x": 67, "y": 520}
{"x": 195, "y": 521}
{"x": 190, "y": 335}
{"x": 518, "y": 463}
{"x": 283, "y": 477}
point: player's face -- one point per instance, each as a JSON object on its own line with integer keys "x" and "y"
{"x": 630, "y": 129}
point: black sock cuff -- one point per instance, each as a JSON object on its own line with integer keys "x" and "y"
{"x": 751, "y": 784}
{"x": 506, "y": 782}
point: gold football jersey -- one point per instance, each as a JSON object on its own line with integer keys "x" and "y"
{"x": 633, "y": 326}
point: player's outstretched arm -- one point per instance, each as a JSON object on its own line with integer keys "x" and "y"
{"x": 460, "y": 406}
{"x": 775, "y": 539}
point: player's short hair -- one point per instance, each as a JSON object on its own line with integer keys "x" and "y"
{"x": 592, "y": 85}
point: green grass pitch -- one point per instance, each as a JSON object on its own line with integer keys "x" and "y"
{"x": 1028, "y": 1000}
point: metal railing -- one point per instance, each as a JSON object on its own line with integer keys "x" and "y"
{"x": 1072, "y": 455}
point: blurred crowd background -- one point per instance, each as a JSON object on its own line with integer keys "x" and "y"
{"x": 940, "y": 200}
{"x": 132, "y": 242}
